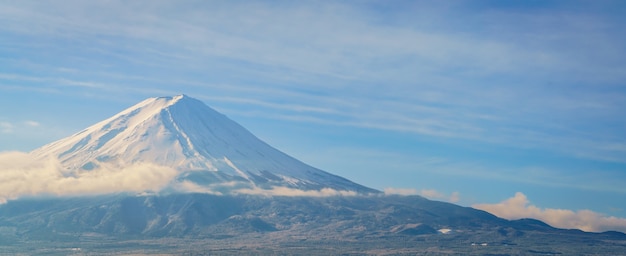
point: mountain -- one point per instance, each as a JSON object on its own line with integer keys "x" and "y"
{"x": 204, "y": 146}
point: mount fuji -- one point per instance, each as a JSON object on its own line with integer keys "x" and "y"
{"x": 207, "y": 149}
{"x": 193, "y": 146}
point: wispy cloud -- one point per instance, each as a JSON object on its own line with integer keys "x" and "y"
{"x": 518, "y": 207}
{"x": 310, "y": 39}
{"x": 32, "y": 123}
{"x": 408, "y": 74}
{"x": 591, "y": 180}
{"x": 419, "y": 162}
{"x": 11, "y": 127}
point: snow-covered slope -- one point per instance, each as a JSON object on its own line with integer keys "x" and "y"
{"x": 204, "y": 146}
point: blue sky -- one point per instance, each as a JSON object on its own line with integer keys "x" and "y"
{"x": 469, "y": 100}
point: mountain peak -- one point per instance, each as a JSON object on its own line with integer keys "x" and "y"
{"x": 204, "y": 146}
{"x": 160, "y": 102}
{"x": 174, "y": 99}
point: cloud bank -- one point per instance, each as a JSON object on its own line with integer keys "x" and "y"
{"x": 519, "y": 207}
{"x": 22, "y": 176}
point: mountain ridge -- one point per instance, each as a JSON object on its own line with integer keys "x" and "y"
{"x": 256, "y": 225}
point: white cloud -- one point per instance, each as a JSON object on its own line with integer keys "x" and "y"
{"x": 190, "y": 187}
{"x": 518, "y": 207}
{"x": 238, "y": 188}
{"x": 22, "y": 176}
{"x": 400, "y": 191}
{"x": 285, "y": 191}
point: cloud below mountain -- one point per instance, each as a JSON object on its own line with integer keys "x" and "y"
{"x": 519, "y": 207}
{"x": 400, "y": 191}
{"x": 285, "y": 191}
{"x": 23, "y": 176}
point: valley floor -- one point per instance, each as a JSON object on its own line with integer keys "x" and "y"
{"x": 280, "y": 243}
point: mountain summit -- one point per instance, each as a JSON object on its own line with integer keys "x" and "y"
{"x": 204, "y": 146}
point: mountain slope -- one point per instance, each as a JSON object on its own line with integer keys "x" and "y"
{"x": 204, "y": 146}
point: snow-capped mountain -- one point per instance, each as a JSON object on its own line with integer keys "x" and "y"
{"x": 195, "y": 145}
{"x": 204, "y": 146}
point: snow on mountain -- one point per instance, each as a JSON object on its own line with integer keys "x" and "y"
{"x": 209, "y": 150}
